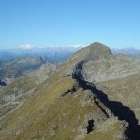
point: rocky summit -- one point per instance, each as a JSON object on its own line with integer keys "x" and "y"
{"x": 94, "y": 51}
{"x": 92, "y": 96}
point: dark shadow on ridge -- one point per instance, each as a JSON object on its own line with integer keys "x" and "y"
{"x": 116, "y": 108}
{"x": 90, "y": 126}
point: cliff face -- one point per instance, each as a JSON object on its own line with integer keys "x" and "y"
{"x": 108, "y": 107}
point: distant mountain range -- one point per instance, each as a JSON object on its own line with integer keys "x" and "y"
{"x": 128, "y": 51}
{"x": 52, "y": 54}
{"x": 17, "y": 62}
{"x": 55, "y": 54}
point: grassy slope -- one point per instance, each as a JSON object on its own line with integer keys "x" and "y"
{"x": 32, "y": 107}
{"x": 15, "y": 93}
{"x": 47, "y": 115}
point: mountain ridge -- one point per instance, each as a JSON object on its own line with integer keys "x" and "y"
{"x": 63, "y": 107}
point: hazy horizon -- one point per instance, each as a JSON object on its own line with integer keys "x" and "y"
{"x": 30, "y": 47}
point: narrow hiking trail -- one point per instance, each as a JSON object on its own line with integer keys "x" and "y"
{"x": 110, "y": 108}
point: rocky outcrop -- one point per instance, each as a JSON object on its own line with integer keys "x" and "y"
{"x": 3, "y": 83}
{"x": 110, "y": 108}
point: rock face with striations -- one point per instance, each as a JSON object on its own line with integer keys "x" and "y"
{"x": 101, "y": 65}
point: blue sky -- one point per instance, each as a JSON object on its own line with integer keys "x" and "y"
{"x": 69, "y": 22}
